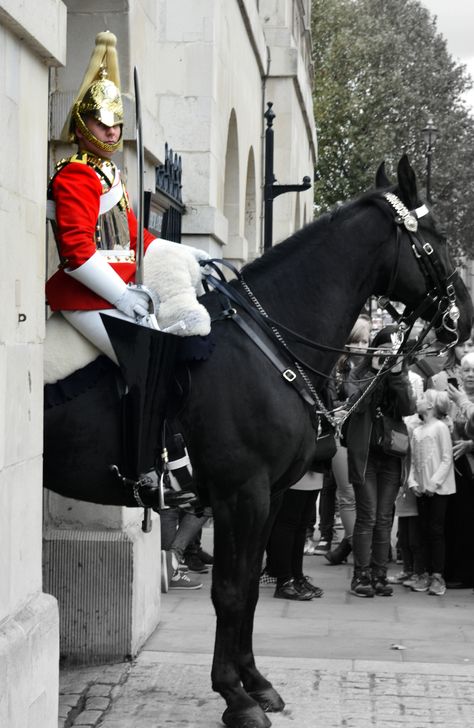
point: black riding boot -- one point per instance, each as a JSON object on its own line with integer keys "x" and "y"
{"x": 340, "y": 553}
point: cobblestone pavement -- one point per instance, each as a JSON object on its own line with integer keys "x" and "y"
{"x": 169, "y": 690}
{"x": 338, "y": 662}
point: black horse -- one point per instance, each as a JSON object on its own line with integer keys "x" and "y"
{"x": 250, "y": 434}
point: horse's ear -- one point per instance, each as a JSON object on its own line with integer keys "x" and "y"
{"x": 381, "y": 179}
{"x": 407, "y": 183}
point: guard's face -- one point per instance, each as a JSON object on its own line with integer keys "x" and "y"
{"x": 107, "y": 134}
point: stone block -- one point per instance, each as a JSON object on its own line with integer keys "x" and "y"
{"x": 108, "y": 587}
{"x": 29, "y": 665}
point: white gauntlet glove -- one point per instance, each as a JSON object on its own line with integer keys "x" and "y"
{"x": 101, "y": 278}
{"x": 133, "y": 303}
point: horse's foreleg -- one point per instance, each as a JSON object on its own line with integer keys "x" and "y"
{"x": 239, "y": 523}
{"x": 258, "y": 687}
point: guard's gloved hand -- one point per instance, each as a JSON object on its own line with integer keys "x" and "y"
{"x": 133, "y": 302}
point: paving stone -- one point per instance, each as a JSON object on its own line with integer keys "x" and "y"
{"x": 87, "y": 718}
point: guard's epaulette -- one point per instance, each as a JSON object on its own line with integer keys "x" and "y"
{"x": 96, "y": 163}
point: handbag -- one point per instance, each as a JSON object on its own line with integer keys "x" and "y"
{"x": 325, "y": 441}
{"x": 392, "y": 435}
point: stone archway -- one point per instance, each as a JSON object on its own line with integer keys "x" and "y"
{"x": 231, "y": 184}
{"x": 250, "y": 226}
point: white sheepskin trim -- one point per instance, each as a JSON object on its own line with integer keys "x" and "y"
{"x": 175, "y": 274}
{"x": 65, "y": 350}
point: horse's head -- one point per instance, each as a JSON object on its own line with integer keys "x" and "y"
{"x": 431, "y": 288}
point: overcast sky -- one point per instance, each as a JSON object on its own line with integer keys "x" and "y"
{"x": 455, "y": 21}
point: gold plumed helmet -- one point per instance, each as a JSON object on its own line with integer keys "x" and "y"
{"x": 99, "y": 95}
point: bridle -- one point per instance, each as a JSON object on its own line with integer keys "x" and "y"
{"x": 441, "y": 293}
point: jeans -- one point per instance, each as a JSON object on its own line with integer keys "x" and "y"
{"x": 375, "y": 499}
{"x": 432, "y": 515}
{"x": 178, "y": 529}
{"x": 345, "y": 492}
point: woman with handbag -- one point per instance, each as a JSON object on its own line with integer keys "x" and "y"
{"x": 376, "y": 460}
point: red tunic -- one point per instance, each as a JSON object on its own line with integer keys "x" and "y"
{"x": 77, "y": 190}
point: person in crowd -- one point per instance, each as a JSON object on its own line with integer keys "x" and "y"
{"x": 409, "y": 543}
{"x": 178, "y": 529}
{"x": 285, "y": 547}
{"x": 326, "y": 508}
{"x": 195, "y": 557}
{"x": 432, "y": 480}
{"x": 96, "y": 230}
{"x": 375, "y": 475}
{"x": 356, "y": 346}
{"x": 451, "y": 372}
{"x": 459, "y": 571}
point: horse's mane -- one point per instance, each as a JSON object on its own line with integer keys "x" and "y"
{"x": 315, "y": 230}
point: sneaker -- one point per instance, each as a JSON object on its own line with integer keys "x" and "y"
{"x": 361, "y": 585}
{"x": 166, "y": 570}
{"x": 266, "y": 580}
{"x": 205, "y": 557}
{"x": 421, "y": 583}
{"x": 308, "y": 547}
{"x": 184, "y": 581}
{"x": 288, "y": 590}
{"x": 437, "y": 586}
{"x": 381, "y": 586}
{"x": 322, "y": 547}
{"x": 410, "y": 581}
{"x": 194, "y": 563}
{"x": 304, "y": 584}
{"x": 399, "y": 578}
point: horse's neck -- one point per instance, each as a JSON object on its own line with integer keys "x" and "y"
{"x": 320, "y": 287}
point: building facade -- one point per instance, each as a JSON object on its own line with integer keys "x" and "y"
{"x": 207, "y": 70}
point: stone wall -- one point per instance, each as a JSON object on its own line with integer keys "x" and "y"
{"x": 32, "y": 38}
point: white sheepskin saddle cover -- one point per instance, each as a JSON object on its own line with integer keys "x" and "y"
{"x": 173, "y": 272}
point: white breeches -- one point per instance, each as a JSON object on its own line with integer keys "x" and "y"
{"x": 90, "y": 325}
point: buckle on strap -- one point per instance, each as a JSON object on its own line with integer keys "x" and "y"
{"x": 428, "y": 248}
{"x": 289, "y": 375}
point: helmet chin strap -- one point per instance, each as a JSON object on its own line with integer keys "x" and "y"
{"x": 87, "y": 134}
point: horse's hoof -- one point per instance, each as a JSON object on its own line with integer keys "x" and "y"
{"x": 268, "y": 700}
{"x": 248, "y": 718}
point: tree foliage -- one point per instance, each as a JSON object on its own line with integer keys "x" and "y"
{"x": 381, "y": 71}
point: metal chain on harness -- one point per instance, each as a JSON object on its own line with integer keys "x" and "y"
{"x": 336, "y": 423}
{"x": 328, "y": 414}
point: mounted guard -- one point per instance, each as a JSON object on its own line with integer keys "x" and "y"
{"x": 95, "y": 288}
